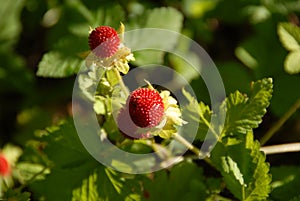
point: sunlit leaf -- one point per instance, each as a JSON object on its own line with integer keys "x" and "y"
{"x": 292, "y": 62}
{"x": 289, "y": 35}
{"x": 244, "y": 113}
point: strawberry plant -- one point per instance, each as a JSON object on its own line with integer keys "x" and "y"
{"x": 139, "y": 100}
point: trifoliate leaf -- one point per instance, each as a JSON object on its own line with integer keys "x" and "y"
{"x": 289, "y": 35}
{"x": 292, "y": 62}
{"x": 244, "y": 113}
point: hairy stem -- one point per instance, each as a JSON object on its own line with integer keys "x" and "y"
{"x": 280, "y": 122}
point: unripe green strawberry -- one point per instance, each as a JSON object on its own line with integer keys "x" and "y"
{"x": 146, "y": 107}
{"x": 104, "y": 41}
{"x": 4, "y": 166}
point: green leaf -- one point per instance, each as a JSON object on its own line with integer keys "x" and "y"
{"x": 245, "y": 113}
{"x": 99, "y": 105}
{"x": 243, "y": 167}
{"x": 197, "y": 113}
{"x": 11, "y": 26}
{"x": 64, "y": 59}
{"x": 101, "y": 185}
{"x": 285, "y": 179}
{"x": 292, "y": 62}
{"x": 186, "y": 64}
{"x": 11, "y": 195}
{"x": 88, "y": 190}
{"x": 56, "y": 64}
{"x": 165, "y": 186}
{"x": 70, "y": 163}
{"x": 289, "y": 35}
{"x": 172, "y": 21}
{"x": 75, "y": 175}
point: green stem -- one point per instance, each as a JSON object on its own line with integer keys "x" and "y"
{"x": 122, "y": 85}
{"x": 191, "y": 147}
{"x": 1, "y": 187}
{"x": 280, "y": 122}
{"x": 188, "y": 145}
{"x": 209, "y": 126}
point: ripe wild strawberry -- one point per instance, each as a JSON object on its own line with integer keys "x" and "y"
{"x": 4, "y": 166}
{"x": 146, "y": 107}
{"x": 127, "y": 127}
{"x": 104, "y": 41}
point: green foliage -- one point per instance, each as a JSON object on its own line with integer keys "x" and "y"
{"x": 243, "y": 113}
{"x": 246, "y": 174}
{"x": 80, "y": 176}
{"x": 51, "y": 39}
{"x": 152, "y": 19}
{"x": 289, "y": 35}
{"x": 173, "y": 183}
{"x": 16, "y": 195}
{"x": 198, "y": 113}
{"x": 11, "y": 26}
{"x": 285, "y": 178}
{"x": 243, "y": 167}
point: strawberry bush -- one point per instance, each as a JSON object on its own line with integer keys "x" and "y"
{"x": 139, "y": 100}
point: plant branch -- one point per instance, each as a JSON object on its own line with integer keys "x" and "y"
{"x": 280, "y": 122}
{"x": 281, "y": 148}
{"x": 188, "y": 145}
{"x": 122, "y": 85}
{"x": 209, "y": 126}
{"x": 192, "y": 148}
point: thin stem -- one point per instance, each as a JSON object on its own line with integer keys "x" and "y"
{"x": 1, "y": 187}
{"x": 280, "y": 122}
{"x": 192, "y": 148}
{"x": 187, "y": 144}
{"x": 281, "y": 148}
{"x": 209, "y": 126}
{"x": 122, "y": 85}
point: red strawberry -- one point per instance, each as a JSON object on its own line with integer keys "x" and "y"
{"x": 4, "y": 166}
{"x": 127, "y": 127}
{"x": 104, "y": 41}
{"x": 146, "y": 107}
